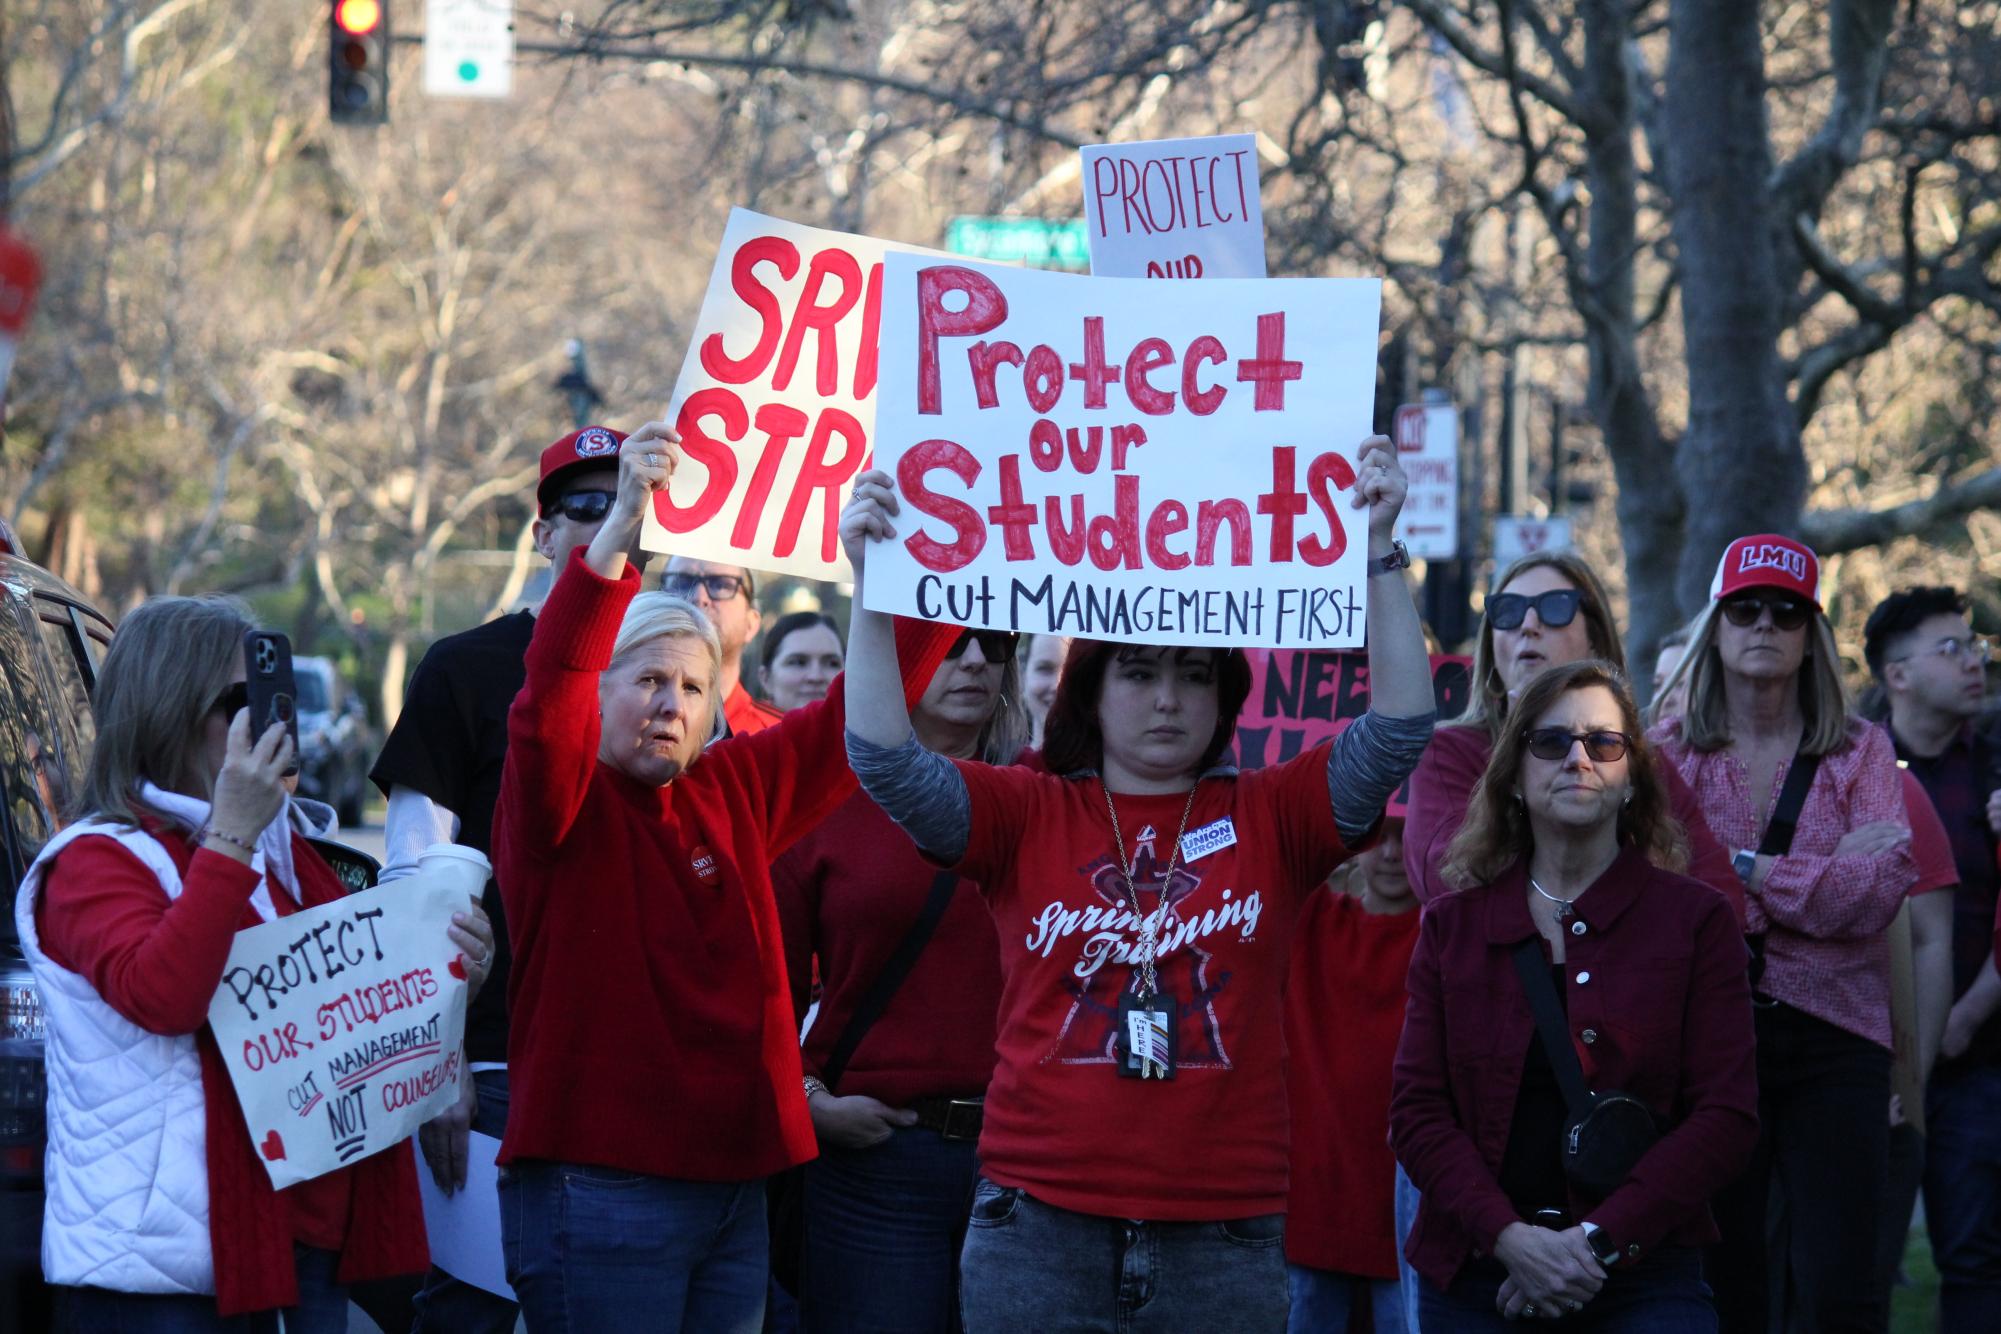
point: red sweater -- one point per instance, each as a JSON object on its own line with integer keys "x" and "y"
{"x": 851, "y": 890}
{"x": 652, "y": 1027}
{"x": 1344, "y": 1007}
{"x": 159, "y": 963}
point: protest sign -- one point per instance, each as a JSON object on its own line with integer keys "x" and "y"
{"x": 1300, "y": 699}
{"x": 1164, "y": 463}
{"x": 1175, "y": 208}
{"x": 776, "y": 399}
{"x": 341, "y": 1025}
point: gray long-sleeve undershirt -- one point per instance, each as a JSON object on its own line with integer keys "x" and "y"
{"x": 926, "y": 794}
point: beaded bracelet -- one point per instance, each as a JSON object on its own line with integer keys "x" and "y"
{"x": 210, "y": 831}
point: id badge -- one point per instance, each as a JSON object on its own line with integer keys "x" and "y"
{"x": 1146, "y": 1038}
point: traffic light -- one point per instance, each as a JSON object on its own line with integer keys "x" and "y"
{"x": 358, "y": 62}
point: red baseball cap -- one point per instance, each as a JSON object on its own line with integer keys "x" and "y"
{"x": 581, "y": 450}
{"x": 1767, "y": 560}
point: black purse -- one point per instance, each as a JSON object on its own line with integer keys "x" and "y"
{"x": 1606, "y": 1133}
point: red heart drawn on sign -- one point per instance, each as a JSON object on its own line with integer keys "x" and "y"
{"x": 274, "y": 1147}
{"x": 457, "y": 967}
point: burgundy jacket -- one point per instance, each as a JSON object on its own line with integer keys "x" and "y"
{"x": 1659, "y": 1007}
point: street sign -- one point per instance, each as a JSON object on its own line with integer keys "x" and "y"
{"x": 1516, "y": 535}
{"x": 1046, "y": 243}
{"x": 469, "y": 48}
{"x": 1427, "y": 440}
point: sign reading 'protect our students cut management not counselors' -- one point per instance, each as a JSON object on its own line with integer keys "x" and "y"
{"x": 1171, "y": 463}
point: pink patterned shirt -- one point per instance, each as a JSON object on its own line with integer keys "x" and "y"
{"x": 1824, "y": 916}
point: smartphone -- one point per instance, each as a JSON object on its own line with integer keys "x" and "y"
{"x": 274, "y": 696}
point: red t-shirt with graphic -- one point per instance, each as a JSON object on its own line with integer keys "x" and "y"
{"x": 1061, "y": 1124}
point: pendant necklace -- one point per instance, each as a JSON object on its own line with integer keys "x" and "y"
{"x": 1563, "y": 906}
{"x": 1149, "y": 923}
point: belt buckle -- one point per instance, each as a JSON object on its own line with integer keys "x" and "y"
{"x": 962, "y": 1118}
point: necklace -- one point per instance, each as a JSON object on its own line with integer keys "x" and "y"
{"x": 1564, "y": 907}
{"x": 1149, "y": 923}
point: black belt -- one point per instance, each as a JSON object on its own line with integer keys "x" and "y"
{"x": 951, "y": 1118}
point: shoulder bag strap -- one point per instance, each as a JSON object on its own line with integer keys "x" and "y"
{"x": 1551, "y": 1027}
{"x": 877, "y": 999}
{"x": 1778, "y": 840}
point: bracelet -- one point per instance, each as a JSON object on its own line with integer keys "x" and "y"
{"x": 814, "y": 1086}
{"x": 210, "y": 831}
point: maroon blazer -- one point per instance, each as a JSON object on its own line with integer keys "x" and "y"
{"x": 1659, "y": 1007}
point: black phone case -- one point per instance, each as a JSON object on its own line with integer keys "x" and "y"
{"x": 273, "y": 694}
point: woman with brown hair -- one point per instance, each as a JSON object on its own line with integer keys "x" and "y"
{"x": 1548, "y": 609}
{"x": 1812, "y": 800}
{"x": 1568, "y": 867}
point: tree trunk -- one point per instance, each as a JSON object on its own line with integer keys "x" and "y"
{"x": 1742, "y": 468}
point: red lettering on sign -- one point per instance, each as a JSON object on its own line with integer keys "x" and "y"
{"x": 1327, "y": 474}
{"x": 827, "y": 476}
{"x": 1211, "y": 515}
{"x": 1168, "y": 518}
{"x": 1283, "y": 502}
{"x": 1042, "y": 377}
{"x": 1092, "y": 372}
{"x": 716, "y": 455}
{"x": 1114, "y": 538}
{"x": 1150, "y": 354}
{"x": 1269, "y": 370}
{"x": 969, "y": 534}
{"x": 1126, "y": 437}
{"x": 1205, "y": 349}
{"x": 1066, "y": 542}
{"x": 1045, "y": 445}
{"x": 781, "y": 424}
{"x": 753, "y": 293}
{"x": 810, "y": 314}
{"x": 1014, "y": 516}
{"x": 865, "y": 364}
{"x": 985, "y": 358}
{"x": 985, "y": 308}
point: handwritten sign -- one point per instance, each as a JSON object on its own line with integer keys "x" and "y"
{"x": 776, "y": 399}
{"x": 341, "y": 1026}
{"x": 1175, "y": 208}
{"x": 1163, "y": 463}
{"x": 1299, "y": 700}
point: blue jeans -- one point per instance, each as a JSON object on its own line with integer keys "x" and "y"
{"x": 1031, "y": 1266}
{"x": 1963, "y": 1197}
{"x": 1662, "y": 1294}
{"x": 1407, "y": 1201}
{"x": 883, "y": 1230}
{"x": 1322, "y": 1301}
{"x": 595, "y": 1250}
{"x": 322, "y": 1308}
{"x": 446, "y": 1305}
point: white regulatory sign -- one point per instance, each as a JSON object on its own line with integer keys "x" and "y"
{"x": 1427, "y": 439}
{"x": 469, "y": 48}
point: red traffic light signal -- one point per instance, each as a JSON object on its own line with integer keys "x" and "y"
{"x": 358, "y": 62}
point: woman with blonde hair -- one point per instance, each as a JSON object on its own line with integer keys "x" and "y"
{"x": 1573, "y": 953}
{"x": 1811, "y": 799}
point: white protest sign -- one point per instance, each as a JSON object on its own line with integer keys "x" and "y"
{"x": 341, "y": 1025}
{"x": 1427, "y": 437}
{"x": 1516, "y": 535}
{"x": 1175, "y": 208}
{"x": 776, "y": 399}
{"x": 1165, "y": 463}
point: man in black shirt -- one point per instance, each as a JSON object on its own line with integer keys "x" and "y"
{"x": 440, "y": 769}
{"x": 1933, "y": 669}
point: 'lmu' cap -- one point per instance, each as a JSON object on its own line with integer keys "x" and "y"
{"x": 1767, "y": 561}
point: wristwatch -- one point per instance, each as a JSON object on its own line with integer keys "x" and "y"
{"x": 1398, "y": 559}
{"x": 1603, "y": 1248}
{"x": 1745, "y": 862}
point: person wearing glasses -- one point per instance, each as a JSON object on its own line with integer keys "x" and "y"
{"x": 440, "y": 769}
{"x": 896, "y": 1089}
{"x": 1134, "y": 1152}
{"x": 1765, "y": 696}
{"x": 653, "y": 1056}
{"x": 727, "y": 595}
{"x": 1933, "y": 669}
{"x": 1570, "y": 857}
{"x": 159, "y": 1214}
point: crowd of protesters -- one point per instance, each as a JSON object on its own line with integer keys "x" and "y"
{"x": 963, "y": 982}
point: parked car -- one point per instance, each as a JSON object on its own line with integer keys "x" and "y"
{"x": 51, "y": 642}
{"x": 336, "y": 744}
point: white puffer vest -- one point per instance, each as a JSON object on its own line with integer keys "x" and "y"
{"x": 128, "y": 1126}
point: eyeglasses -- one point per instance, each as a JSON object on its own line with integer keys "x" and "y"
{"x": 720, "y": 587}
{"x": 1556, "y": 608}
{"x": 996, "y": 646}
{"x": 1956, "y": 651}
{"x": 1553, "y": 743}
{"x": 1788, "y": 613}
{"x": 232, "y": 701}
{"x": 581, "y": 506}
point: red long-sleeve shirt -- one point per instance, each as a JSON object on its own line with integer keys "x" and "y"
{"x": 651, "y": 1026}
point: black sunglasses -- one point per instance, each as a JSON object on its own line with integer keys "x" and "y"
{"x": 1554, "y": 743}
{"x": 233, "y": 700}
{"x": 1556, "y": 608}
{"x": 721, "y": 587}
{"x": 1788, "y": 613}
{"x": 996, "y": 646}
{"x": 581, "y": 506}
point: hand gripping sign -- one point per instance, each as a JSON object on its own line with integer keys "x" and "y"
{"x": 341, "y": 1025}
{"x": 776, "y": 400}
{"x": 1165, "y": 463}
